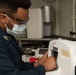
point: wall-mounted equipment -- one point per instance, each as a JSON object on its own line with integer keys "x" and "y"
{"x": 48, "y": 19}
{"x": 39, "y": 24}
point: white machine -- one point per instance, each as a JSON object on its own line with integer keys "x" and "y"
{"x": 65, "y": 52}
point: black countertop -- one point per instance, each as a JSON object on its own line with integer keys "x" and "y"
{"x": 59, "y": 36}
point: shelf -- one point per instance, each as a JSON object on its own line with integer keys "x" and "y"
{"x": 36, "y": 39}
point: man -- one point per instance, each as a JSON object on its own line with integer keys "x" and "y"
{"x": 13, "y": 17}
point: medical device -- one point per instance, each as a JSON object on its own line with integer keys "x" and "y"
{"x": 65, "y": 53}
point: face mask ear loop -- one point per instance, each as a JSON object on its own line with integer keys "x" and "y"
{"x": 9, "y": 19}
{"x": 6, "y": 25}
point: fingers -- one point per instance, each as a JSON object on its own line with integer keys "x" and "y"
{"x": 50, "y": 63}
{"x": 46, "y": 54}
{"x": 54, "y": 61}
{"x": 53, "y": 58}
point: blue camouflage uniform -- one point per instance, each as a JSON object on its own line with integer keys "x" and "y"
{"x": 10, "y": 58}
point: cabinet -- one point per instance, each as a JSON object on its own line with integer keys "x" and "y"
{"x": 33, "y": 43}
{"x": 34, "y": 25}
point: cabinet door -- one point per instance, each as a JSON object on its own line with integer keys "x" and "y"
{"x": 35, "y": 24}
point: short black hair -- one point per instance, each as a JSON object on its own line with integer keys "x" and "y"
{"x": 11, "y": 6}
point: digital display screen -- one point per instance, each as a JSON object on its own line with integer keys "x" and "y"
{"x": 55, "y": 52}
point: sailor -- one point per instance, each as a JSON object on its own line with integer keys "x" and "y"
{"x": 13, "y": 19}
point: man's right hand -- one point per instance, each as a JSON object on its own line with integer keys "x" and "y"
{"x": 50, "y": 63}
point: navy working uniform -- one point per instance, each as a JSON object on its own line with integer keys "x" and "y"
{"x": 10, "y": 58}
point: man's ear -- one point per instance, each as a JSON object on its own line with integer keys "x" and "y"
{"x": 4, "y": 19}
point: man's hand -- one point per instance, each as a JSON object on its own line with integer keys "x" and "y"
{"x": 50, "y": 63}
{"x": 41, "y": 60}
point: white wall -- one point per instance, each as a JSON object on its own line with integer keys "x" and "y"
{"x": 64, "y": 17}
